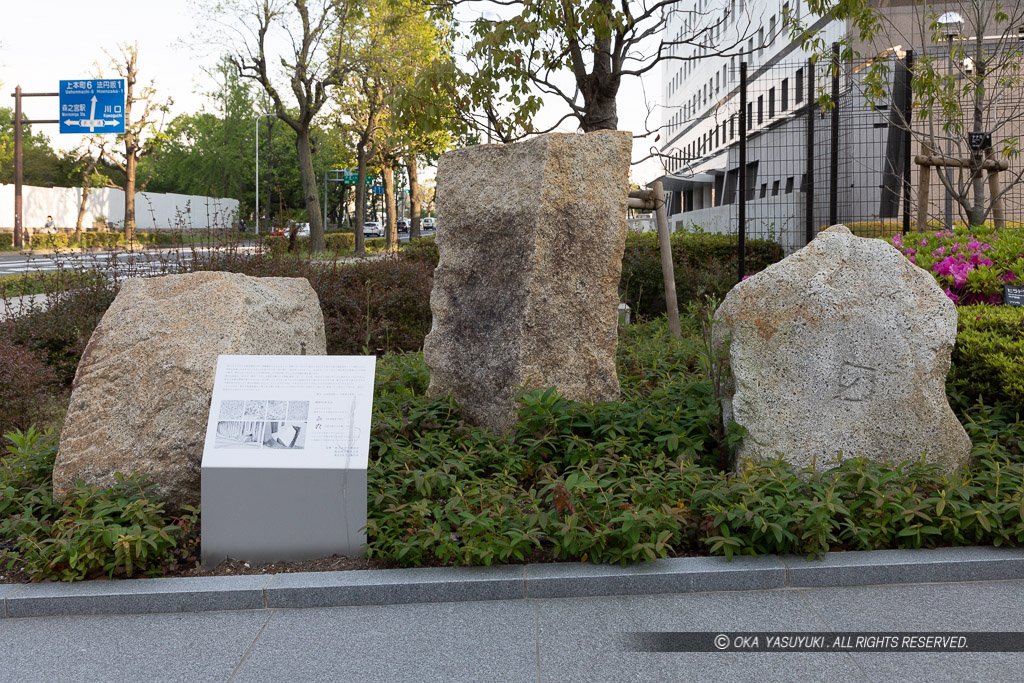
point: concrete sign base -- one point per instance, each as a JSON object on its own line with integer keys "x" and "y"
{"x": 285, "y": 458}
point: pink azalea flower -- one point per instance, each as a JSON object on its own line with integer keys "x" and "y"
{"x": 951, "y": 295}
{"x": 959, "y": 270}
{"x": 1007, "y": 277}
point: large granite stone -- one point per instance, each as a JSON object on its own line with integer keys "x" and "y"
{"x": 839, "y": 351}
{"x": 530, "y": 238}
{"x": 141, "y": 395}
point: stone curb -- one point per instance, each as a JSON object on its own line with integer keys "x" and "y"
{"x": 508, "y": 582}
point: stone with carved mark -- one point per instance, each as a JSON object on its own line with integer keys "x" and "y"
{"x": 839, "y": 351}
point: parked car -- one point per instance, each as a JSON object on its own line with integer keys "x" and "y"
{"x": 403, "y": 225}
{"x": 373, "y": 229}
{"x": 428, "y": 223}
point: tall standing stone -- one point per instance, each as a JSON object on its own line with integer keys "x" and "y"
{"x": 841, "y": 350}
{"x": 530, "y": 238}
{"x": 141, "y": 395}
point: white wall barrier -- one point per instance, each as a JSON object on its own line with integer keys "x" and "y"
{"x": 153, "y": 210}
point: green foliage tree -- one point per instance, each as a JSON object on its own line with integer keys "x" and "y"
{"x": 311, "y": 64}
{"x": 383, "y": 104}
{"x": 41, "y": 165}
{"x": 520, "y": 63}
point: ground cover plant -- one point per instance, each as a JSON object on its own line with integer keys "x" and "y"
{"x": 622, "y": 481}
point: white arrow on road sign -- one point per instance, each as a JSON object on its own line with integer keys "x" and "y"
{"x": 90, "y": 123}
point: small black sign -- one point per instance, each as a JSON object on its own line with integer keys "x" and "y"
{"x": 979, "y": 140}
{"x": 1013, "y": 296}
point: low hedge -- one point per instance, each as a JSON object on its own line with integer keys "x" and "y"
{"x": 705, "y": 264}
{"x": 988, "y": 359}
{"x": 6, "y": 241}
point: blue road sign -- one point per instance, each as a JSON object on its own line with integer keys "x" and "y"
{"x": 92, "y": 106}
{"x": 377, "y": 189}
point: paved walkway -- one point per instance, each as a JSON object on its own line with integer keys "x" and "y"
{"x": 551, "y": 638}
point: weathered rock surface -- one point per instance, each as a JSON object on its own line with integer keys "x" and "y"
{"x": 841, "y": 350}
{"x": 141, "y": 396}
{"x": 530, "y": 238}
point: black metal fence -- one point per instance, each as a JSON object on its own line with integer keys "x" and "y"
{"x": 799, "y": 145}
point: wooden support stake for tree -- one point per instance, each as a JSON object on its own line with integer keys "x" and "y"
{"x": 922, "y": 195}
{"x": 667, "y": 268}
{"x": 998, "y": 217}
{"x": 654, "y": 199}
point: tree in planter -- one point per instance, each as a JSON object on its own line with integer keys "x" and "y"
{"x": 967, "y": 76}
{"x": 142, "y": 132}
{"x": 313, "y": 65}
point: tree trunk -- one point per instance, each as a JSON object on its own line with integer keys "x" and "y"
{"x": 310, "y": 193}
{"x": 81, "y": 213}
{"x": 600, "y": 88}
{"x": 131, "y": 162}
{"x": 360, "y": 198}
{"x": 415, "y": 198}
{"x": 391, "y": 232}
{"x": 976, "y": 213}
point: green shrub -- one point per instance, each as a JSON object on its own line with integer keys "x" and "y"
{"x": 6, "y": 241}
{"x": 340, "y": 242}
{"x": 61, "y": 329}
{"x": 421, "y": 249}
{"x": 970, "y": 264}
{"x": 58, "y": 240}
{"x": 988, "y": 358}
{"x": 26, "y": 386}
{"x": 705, "y": 264}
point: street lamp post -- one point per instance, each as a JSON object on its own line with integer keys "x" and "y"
{"x": 258, "y": 169}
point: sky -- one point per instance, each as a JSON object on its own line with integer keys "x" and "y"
{"x": 46, "y": 41}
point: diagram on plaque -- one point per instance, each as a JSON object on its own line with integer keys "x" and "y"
{"x": 260, "y": 423}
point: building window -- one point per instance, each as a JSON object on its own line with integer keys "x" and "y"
{"x": 732, "y": 127}
{"x": 750, "y": 115}
{"x": 775, "y": 188}
{"x": 760, "y": 109}
{"x": 760, "y": 42}
{"x": 718, "y": 83}
{"x": 771, "y": 29}
{"x": 784, "y": 104}
{"x": 771, "y": 103}
{"x": 789, "y": 185}
{"x": 764, "y": 190}
{"x": 798, "y": 96}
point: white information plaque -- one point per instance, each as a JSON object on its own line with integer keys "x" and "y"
{"x": 285, "y": 458}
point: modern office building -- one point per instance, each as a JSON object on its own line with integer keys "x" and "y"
{"x": 701, "y": 120}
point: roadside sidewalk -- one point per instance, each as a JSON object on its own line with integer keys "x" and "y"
{"x": 544, "y": 634}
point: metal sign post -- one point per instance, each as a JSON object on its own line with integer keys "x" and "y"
{"x": 19, "y": 236}
{"x": 85, "y": 104}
